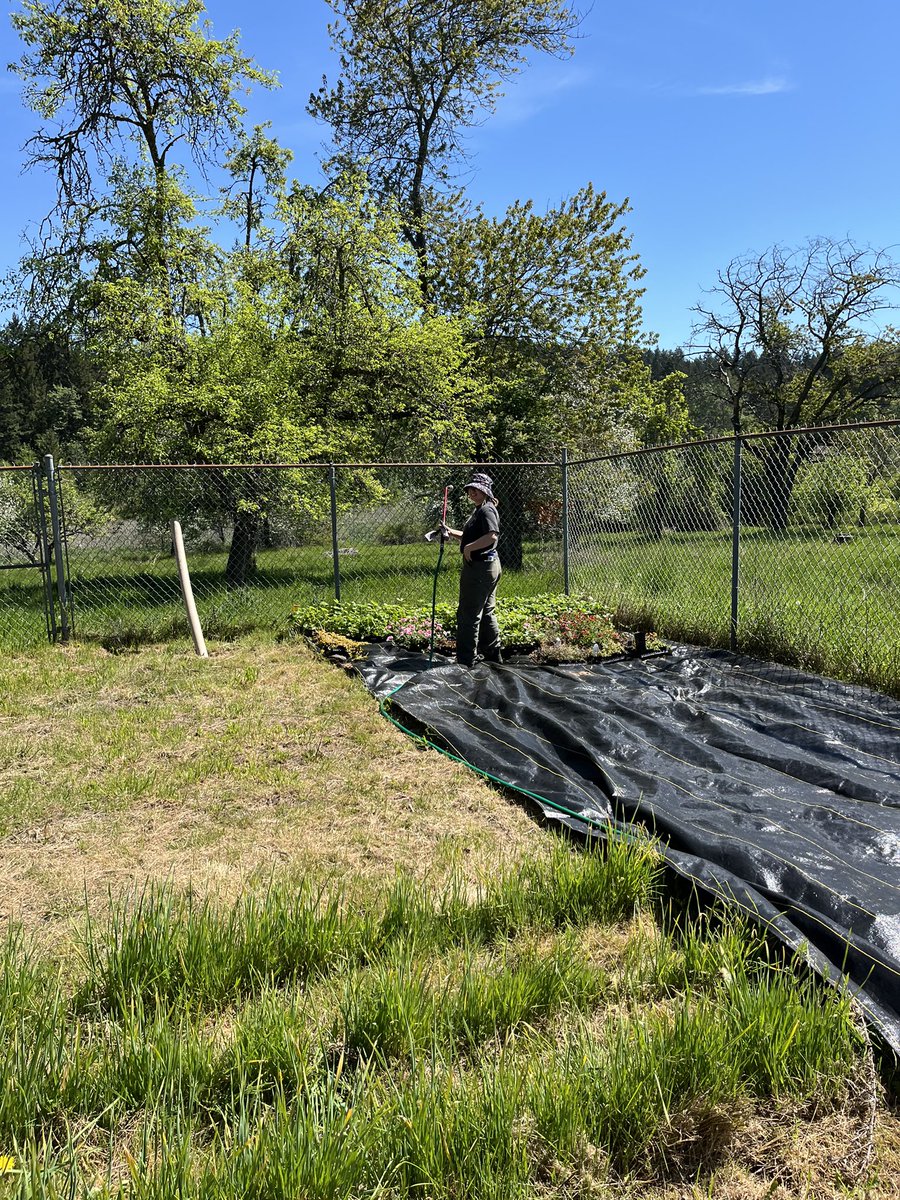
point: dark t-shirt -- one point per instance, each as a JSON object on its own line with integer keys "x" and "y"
{"x": 484, "y": 519}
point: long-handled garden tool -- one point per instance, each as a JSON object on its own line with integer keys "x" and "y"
{"x": 443, "y": 538}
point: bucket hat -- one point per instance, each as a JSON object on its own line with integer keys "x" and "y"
{"x": 483, "y": 483}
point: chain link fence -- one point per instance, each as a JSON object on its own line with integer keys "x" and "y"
{"x": 650, "y": 535}
{"x": 784, "y": 546}
{"x": 262, "y": 539}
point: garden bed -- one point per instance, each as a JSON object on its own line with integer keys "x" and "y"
{"x": 550, "y": 628}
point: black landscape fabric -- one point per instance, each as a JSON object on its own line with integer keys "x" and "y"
{"x": 776, "y": 791}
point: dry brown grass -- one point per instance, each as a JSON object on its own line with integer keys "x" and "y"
{"x": 119, "y": 769}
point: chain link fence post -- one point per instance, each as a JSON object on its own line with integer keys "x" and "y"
{"x": 565, "y": 517}
{"x": 735, "y": 543}
{"x": 58, "y": 556}
{"x": 335, "y": 548}
{"x": 43, "y": 545}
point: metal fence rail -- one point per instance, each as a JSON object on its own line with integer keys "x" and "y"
{"x": 783, "y": 545}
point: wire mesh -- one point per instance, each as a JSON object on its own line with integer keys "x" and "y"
{"x": 820, "y": 550}
{"x": 650, "y": 536}
{"x": 22, "y": 596}
{"x": 261, "y": 540}
{"x": 257, "y": 540}
{"x": 385, "y": 512}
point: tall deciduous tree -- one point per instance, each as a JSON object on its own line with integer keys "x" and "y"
{"x": 416, "y": 75}
{"x": 128, "y": 92}
{"x": 794, "y": 338}
{"x": 552, "y": 304}
{"x": 791, "y": 332}
{"x": 322, "y": 353}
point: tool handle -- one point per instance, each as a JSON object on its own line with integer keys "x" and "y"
{"x": 444, "y": 514}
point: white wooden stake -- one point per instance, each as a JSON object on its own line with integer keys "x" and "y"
{"x": 187, "y": 591}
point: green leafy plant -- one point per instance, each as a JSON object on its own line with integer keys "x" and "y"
{"x": 552, "y": 627}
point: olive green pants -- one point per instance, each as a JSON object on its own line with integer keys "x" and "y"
{"x": 477, "y": 631}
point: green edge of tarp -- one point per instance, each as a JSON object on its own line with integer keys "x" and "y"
{"x": 606, "y": 826}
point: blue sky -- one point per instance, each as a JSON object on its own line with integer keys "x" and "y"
{"x": 729, "y": 127}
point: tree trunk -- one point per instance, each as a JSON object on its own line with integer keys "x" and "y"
{"x": 241, "y": 565}
{"x": 781, "y": 465}
{"x": 512, "y": 523}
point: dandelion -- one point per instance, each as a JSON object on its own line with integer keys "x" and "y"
{"x": 7, "y": 1164}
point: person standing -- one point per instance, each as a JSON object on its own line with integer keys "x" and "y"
{"x": 477, "y": 631}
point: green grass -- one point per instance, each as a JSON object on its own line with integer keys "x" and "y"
{"x": 805, "y": 600}
{"x": 219, "y": 1072}
{"x": 279, "y": 1011}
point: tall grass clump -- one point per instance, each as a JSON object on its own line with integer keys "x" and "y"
{"x": 37, "y": 1051}
{"x": 405, "y": 1004}
{"x": 272, "y": 1051}
{"x": 608, "y": 881}
{"x": 492, "y": 1001}
{"x": 790, "y": 1036}
{"x": 666, "y": 1089}
{"x": 446, "y": 1132}
{"x": 695, "y": 954}
{"x": 319, "y": 1145}
{"x": 172, "y": 948}
{"x": 390, "y": 1009}
{"x": 149, "y": 1058}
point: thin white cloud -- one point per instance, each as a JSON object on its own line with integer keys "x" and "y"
{"x": 530, "y": 95}
{"x": 770, "y": 86}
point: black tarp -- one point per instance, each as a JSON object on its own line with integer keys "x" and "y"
{"x": 776, "y": 791}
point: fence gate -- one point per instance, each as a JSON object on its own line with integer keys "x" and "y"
{"x": 27, "y": 598}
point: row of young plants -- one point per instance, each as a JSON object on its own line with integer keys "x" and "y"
{"x": 451, "y": 1041}
{"x": 552, "y": 627}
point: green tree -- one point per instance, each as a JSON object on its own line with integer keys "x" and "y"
{"x": 790, "y": 331}
{"x": 257, "y": 165}
{"x": 832, "y": 487}
{"x": 321, "y": 354}
{"x": 416, "y": 75}
{"x": 129, "y": 92}
{"x": 47, "y": 400}
{"x": 551, "y": 304}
